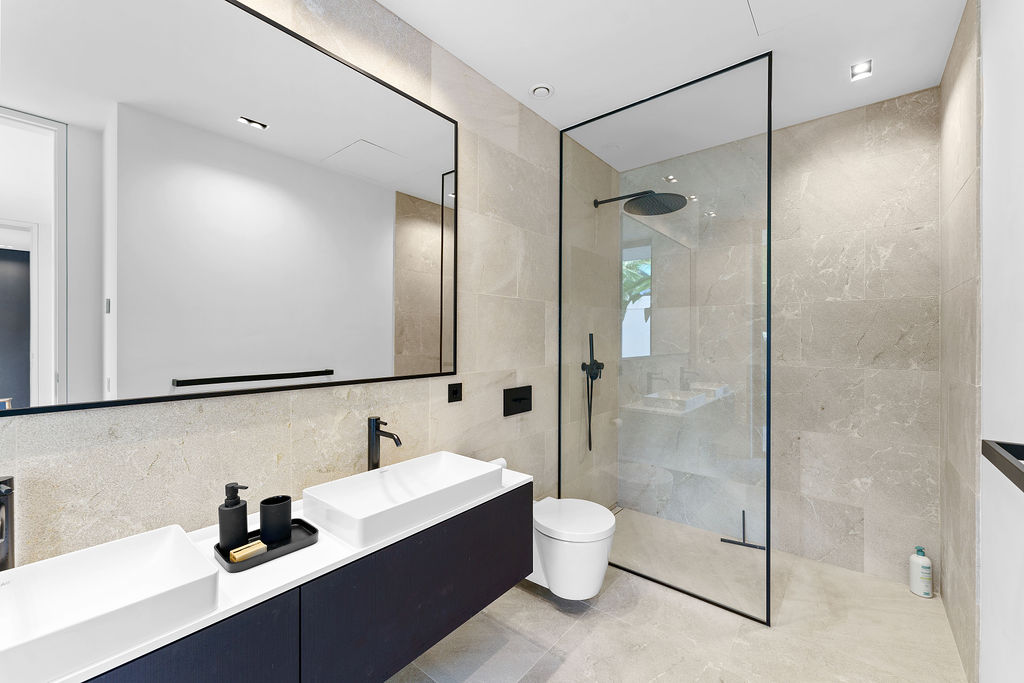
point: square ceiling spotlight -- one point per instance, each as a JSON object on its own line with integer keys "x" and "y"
{"x": 861, "y": 70}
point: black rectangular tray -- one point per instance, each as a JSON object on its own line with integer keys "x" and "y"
{"x": 304, "y": 534}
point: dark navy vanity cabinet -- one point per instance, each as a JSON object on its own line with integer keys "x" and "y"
{"x": 366, "y": 620}
{"x": 259, "y": 644}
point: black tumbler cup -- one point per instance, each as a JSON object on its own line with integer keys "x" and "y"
{"x": 276, "y": 519}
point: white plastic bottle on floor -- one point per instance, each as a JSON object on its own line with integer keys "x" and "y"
{"x": 920, "y": 574}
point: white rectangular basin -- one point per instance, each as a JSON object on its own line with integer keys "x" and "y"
{"x": 371, "y": 506}
{"x": 62, "y": 614}
{"x": 679, "y": 400}
{"x": 712, "y": 389}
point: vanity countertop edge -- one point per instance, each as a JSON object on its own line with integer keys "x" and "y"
{"x": 240, "y": 591}
{"x": 1011, "y": 467}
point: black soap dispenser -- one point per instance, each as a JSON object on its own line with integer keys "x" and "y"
{"x": 234, "y": 527}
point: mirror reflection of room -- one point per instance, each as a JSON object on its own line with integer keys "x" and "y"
{"x": 278, "y": 221}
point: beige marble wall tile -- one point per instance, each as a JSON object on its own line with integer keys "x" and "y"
{"x": 489, "y": 255}
{"x": 853, "y": 193}
{"x": 538, "y": 140}
{"x": 814, "y": 399}
{"x": 905, "y": 123}
{"x": 87, "y": 477}
{"x": 538, "y": 266}
{"x": 832, "y": 533}
{"x": 467, "y": 176}
{"x": 592, "y": 279}
{"x": 819, "y": 268}
{"x": 511, "y": 332}
{"x": 786, "y": 332}
{"x": 902, "y": 406}
{"x": 961, "y": 343}
{"x": 881, "y": 333}
{"x": 839, "y": 135}
{"x": 726, "y": 334}
{"x": 961, "y": 418}
{"x": 725, "y": 276}
{"x": 363, "y": 33}
{"x": 469, "y": 98}
{"x": 960, "y": 90}
{"x": 514, "y": 190}
{"x": 475, "y": 422}
{"x": 902, "y": 261}
{"x": 961, "y": 230}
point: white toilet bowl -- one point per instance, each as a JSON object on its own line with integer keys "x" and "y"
{"x": 571, "y": 542}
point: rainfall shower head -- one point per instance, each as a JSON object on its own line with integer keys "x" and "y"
{"x": 648, "y": 202}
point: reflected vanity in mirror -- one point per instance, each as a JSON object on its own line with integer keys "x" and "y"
{"x": 201, "y": 201}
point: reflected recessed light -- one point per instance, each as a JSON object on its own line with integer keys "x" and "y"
{"x": 861, "y": 70}
{"x": 670, "y": 179}
{"x": 452, "y": 195}
{"x": 252, "y": 122}
{"x": 710, "y": 214}
{"x": 542, "y": 91}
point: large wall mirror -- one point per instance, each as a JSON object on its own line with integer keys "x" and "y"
{"x": 193, "y": 200}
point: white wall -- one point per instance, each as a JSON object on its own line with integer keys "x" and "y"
{"x": 1001, "y": 506}
{"x": 1001, "y": 543}
{"x": 1002, "y": 241}
{"x": 85, "y": 256}
{"x": 27, "y": 197}
{"x": 233, "y": 260}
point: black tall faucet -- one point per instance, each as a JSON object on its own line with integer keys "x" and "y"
{"x": 374, "y": 432}
{"x": 6, "y": 523}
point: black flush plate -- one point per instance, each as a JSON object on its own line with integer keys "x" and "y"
{"x": 455, "y": 392}
{"x": 518, "y": 400}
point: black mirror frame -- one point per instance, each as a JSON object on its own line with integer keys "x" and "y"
{"x": 308, "y": 385}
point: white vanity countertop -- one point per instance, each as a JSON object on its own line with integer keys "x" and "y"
{"x": 240, "y": 591}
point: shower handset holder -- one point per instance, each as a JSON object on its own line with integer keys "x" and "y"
{"x": 593, "y": 372}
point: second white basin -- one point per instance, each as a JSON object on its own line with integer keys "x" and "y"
{"x": 679, "y": 400}
{"x": 62, "y": 614}
{"x": 371, "y": 506}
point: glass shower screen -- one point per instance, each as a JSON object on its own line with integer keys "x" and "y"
{"x": 664, "y": 242}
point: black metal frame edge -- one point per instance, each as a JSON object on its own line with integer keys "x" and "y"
{"x": 695, "y": 81}
{"x": 90, "y": 405}
{"x": 720, "y": 605}
{"x": 1011, "y": 467}
{"x": 768, "y": 358}
{"x": 766, "y": 621}
{"x": 561, "y": 267}
{"x": 249, "y": 378}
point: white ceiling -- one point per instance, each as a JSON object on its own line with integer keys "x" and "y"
{"x": 601, "y": 55}
{"x": 204, "y": 63}
{"x": 729, "y": 107}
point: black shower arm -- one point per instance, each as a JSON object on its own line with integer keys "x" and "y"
{"x": 599, "y": 202}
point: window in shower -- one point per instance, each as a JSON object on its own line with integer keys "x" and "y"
{"x": 636, "y": 301}
{"x": 664, "y": 242}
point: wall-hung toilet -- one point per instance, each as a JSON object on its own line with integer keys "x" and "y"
{"x": 571, "y": 542}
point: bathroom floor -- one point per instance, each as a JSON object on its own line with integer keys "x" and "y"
{"x": 831, "y": 624}
{"x": 691, "y": 558}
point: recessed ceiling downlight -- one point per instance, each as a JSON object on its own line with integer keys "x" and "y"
{"x": 253, "y": 123}
{"x": 861, "y": 70}
{"x": 670, "y": 179}
{"x": 542, "y": 91}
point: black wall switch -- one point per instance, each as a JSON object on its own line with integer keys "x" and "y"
{"x": 455, "y": 392}
{"x": 518, "y": 400}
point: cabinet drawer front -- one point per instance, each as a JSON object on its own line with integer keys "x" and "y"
{"x": 260, "y": 644}
{"x": 367, "y": 620}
